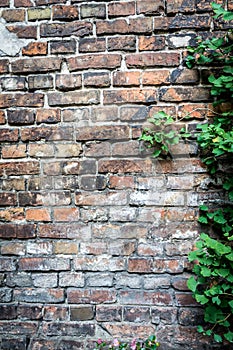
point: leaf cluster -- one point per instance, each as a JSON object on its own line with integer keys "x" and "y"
{"x": 148, "y": 344}
{"x": 162, "y": 134}
{"x": 212, "y": 282}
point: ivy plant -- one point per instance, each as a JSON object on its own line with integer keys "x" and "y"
{"x": 212, "y": 282}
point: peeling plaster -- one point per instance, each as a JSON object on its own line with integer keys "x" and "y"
{"x": 10, "y": 44}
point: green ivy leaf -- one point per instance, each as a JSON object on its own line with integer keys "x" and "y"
{"x": 201, "y": 299}
{"x": 217, "y": 338}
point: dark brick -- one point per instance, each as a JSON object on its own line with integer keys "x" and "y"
{"x": 78, "y": 28}
{"x": 4, "y": 66}
{"x": 39, "y": 295}
{"x": 63, "y": 46}
{"x": 40, "y": 82}
{"x": 13, "y": 83}
{"x": 180, "y": 6}
{"x": 119, "y": 9}
{"x": 68, "y": 81}
{"x": 31, "y": 65}
{"x": 184, "y": 94}
{"x": 20, "y": 117}
{"x": 23, "y": 231}
{"x": 13, "y": 15}
{"x": 21, "y": 100}
{"x": 23, "y": 31}
{"x": 122, "y": 43}
{"x": 19, "y": 343}
{"x": 150, "y": 7}
{"x": 68, "y": 329}
{"x": 81, "y": 313}
{"x": 19, "y": 168}
{"x": 98, "y": 79}
{"x": 65, "y": 12}
{"x": 94, "y": 61}
{"x": 48, "y": 133}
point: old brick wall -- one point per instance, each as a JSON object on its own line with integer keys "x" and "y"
{"x": 94, "y": 233}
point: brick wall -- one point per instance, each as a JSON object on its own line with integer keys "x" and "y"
{"x": 94, "y": 232}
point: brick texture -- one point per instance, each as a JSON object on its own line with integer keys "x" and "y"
{"x": 94, "y": 233}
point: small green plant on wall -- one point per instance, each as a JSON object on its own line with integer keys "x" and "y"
{"x": 212, "y": 280}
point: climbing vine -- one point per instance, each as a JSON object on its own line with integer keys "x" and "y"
{"x": 212, "y": 280}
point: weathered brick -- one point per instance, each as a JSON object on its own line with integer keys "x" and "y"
{"x": 32, "y": 65}
{"x": 184, "y": 94}
{"x": 48, "y": 133}
{"x": 65, "y": 12}
{"x": 136, "y": 314}
{"x": 21, "y": 100}
{"x": 36, "y": 248}
{"x": 149, "y": 7}
{"x": 68, "y": 81}
{"x": 23, "y": 3}
{"x": 49, "y": 116}
{"x": 63, "y": 46}
{"x": 20, "y": 117}
{"x": 101, "y": 199}
{"x": 16, "y": 328}
{"x": 121, "y": 182}
{"x": 4, "y": 66}
{"x": 13, "y": 83}
{"x": 54, "y": 198}
{"x": 99, "y": 263}
{"x": 13, "y": 15}
{"x": 120, "y": 8}
{"x": 19, "y": 168}
{"x": 44, "y": 264}
{"x": 116, "y": 231}
{"x": 40, "y": 82}
{"x": 126, "y": 78}
{"x": 9, "y": 135}
{"x": 68, "y": 329}
{"x": 126, "y": 330}
{"x": 20, "y": 231}
{"x": 152, "y": 59}
{"x": 6, "y": 3}
{"x": 39, "y": 14}
{"x": 71, "y": 231}
{"x": 98, "y": 133}
{"x": 74, "y": 98}
{"x": 121, "y": 96}
{"x": 125, "y": 166}
{"x": 94, "y": 61}
{"x": 23, "y": 31}
{"x": 184, "y": 76}
{"x": 190, "y": 21}
{"x": 39, "y": 295}
{"x": 41, "y": 150}
{"x": 2, "y": 118}
{"x": 93, "y": 10}
{"x": 156, "y": 77}
{"x": 55, "y": 313}
{"x": 99, "y": 149}
{"x": 121, "y": 43}
{"x": 108, "y": 313}
{"x": 98, "y": 79}
{"x": 29, "y": 312}
{"x": 180, "y": 6}
{"x": 92, "y": 44}
{"x": 12, "y": 214}
{"x": 148, "y": 43}
{"x": 71, "y": 279}
{"x": 78, "y": 28}
{"x": 15, "y": 184}
{"x": 105, "y": 113}
{"x": 68, "y": 150}
{"x": 8, "y": 312}
{"x": 181, "y": 40}
{"x": 7, "y": 264}
{"x": 14, "y": 151}
{"x": 139, "y": 297}
{"x": 90, "y": 296}
{"x": 105, "y": 279}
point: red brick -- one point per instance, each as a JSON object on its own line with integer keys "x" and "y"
{"x": 49, "y": 116}
{"x": 185, "y": 76}
{"x": 108, "y": 313}
{"x": 65, "y": 12}
{"x": 150, "y": 7}
{"x": 31, "y": 65}
{"x": 121, "y": 182}
{"x": 155, "y": 59}
{"x": 48, "y": 2}
{"x": 126, "y": 78}
{"x": 68, "y": 248}
{"x": 14, "y": 15}
{"x": 4, "y": 66}
{"x": 55, "y": 313}
{"x": 14, "y": 151}
{"x": 23, "y": 31}
{"x": 185, "y": 299}
{"x": 7, "y": 199}
{"x": 78, "y": 28}
{"x": 196, "y": 111}
{"x": 122, "y": 43}
{"x": 19, "y": 168}
{"x": 125, "y": 166}
{"x": 156, "y": 77}
{"x": 138, "y": 265}
{"x": 5, "y": 3}
{"x": 91, "y": 296}
{"x": 9, "y": 135}
{"x": 38, "y": 215}
{"x": 119, "y": 9}
{"x": 21, "y": 100}
{"x": 18, "y": 327}
{"x": 2, "y": 118}
{"x": 97, "y": 61}
{"x": 20, "y": 231}
{"x": 35, "y": 49}
{"x": 141, "y": 25}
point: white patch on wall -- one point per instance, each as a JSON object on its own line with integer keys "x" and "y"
{"x": 10, "y": 44}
